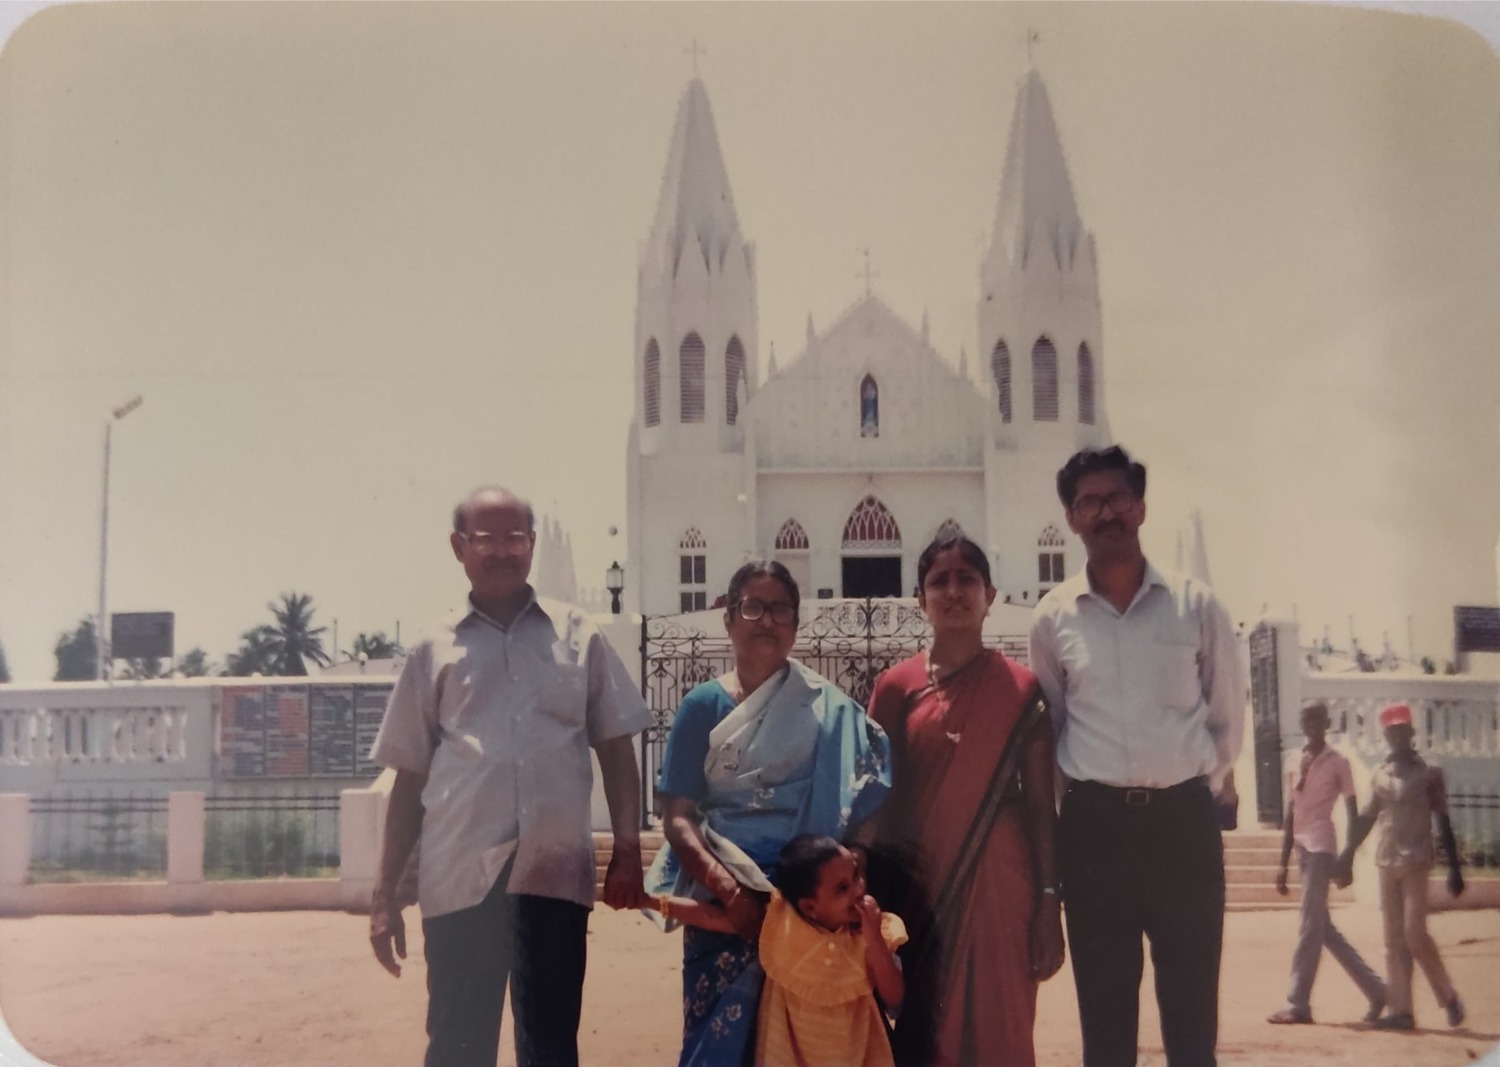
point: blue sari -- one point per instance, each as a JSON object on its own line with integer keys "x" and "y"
{"x": 797, "y": 756}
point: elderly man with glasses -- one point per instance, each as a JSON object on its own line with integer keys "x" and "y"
{"x": 489, "y": 730}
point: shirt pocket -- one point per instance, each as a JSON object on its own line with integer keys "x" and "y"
{"x": 563, "y": 698}
{"x": 1175, "y": 649}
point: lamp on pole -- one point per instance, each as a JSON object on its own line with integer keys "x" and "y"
{"x": 101, "y": 632}
{"x": 614, "y": 581}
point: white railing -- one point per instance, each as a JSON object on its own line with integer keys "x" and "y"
{"x": 45, "y": 736}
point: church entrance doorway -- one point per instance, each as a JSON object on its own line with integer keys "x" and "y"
{"x": 872, "y": 551}
{"x": 871, "y": 576}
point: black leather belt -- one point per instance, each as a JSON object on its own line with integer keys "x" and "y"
{"x": 1142, "y": 796}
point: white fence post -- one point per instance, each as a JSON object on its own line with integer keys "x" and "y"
{"x": 15, "y": 838}
{"x": 186, "y": 823}
{"x": 361, "y": 814}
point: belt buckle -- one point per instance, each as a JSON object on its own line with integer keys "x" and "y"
{"x": 1137, "y": 798}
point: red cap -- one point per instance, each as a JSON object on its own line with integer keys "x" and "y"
{"x": 1395, "y": 715}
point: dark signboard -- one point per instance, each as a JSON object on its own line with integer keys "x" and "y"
{"x": 299, "y": 731}
{"x": 1265, "y": 704}
{"x": 1476, "y": 629}
{"x": 140, "y": 634}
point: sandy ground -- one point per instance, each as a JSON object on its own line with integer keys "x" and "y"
{"x": 302, "y": 988}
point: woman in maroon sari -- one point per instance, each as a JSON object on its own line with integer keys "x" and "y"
{"x": 986, "y": 936}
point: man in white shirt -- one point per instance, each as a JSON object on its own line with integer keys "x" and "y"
{"x": 1141, "y": 671}
{"x": 488, "y": 730}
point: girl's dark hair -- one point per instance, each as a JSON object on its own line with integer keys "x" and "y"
{"x": 763, "y": 568}
{"x": 797, "y": 866}
{"x": 972, "y": 554}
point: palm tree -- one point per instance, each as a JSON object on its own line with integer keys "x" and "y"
{"x": 292, "y": 638}
{"x": 374, "y": 646}
{"x": 254, "y": 656}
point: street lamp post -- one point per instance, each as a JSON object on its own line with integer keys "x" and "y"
{"x": 614, "y": 581}
{"x": 101, "y": 632}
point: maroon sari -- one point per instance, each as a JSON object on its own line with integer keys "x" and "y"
{"x": 978, "y": 1005}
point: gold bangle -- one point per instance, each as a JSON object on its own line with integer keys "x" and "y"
{"x": 664, "y": 905}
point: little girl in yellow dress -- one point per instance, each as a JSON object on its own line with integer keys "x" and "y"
{"x": 827, "y": 950}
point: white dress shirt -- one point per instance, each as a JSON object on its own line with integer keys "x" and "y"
{"x": 1151, "y": 696}
{"x": 500, "y": 719}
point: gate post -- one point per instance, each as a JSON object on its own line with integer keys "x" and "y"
{"x": 1276, "y": 700}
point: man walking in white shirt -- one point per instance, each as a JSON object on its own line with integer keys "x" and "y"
{"x": 1320, "y": 777}
{"x": 1141, "y": 670}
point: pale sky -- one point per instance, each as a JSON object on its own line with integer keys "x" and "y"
{"x": 361, "y": 258}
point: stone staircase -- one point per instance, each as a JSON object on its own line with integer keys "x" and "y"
{"x": 1250, "y": 859}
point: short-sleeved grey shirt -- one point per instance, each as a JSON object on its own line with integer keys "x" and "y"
{"x": 501, "y": 719}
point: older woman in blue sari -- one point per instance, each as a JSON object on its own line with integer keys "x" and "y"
{"x": 766, "y": 752}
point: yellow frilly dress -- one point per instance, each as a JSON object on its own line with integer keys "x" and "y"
{"x": 817, "y": 1008}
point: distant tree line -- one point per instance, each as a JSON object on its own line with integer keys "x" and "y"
{"x": 283, "y": 646}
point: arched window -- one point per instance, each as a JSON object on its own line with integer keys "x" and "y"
{"x": 734, "y": 373}
{"x": 1000, "y": 369}
{"x": 869, "y": 407}
{"x": 791, "y": 537}
{"x": 690, "y": 360}
{"x": 1085, "y": 385}
{"x": 1043, "y": 381}
{"x": 871, "y": 527}
{"x": 947, "y": 530}
{"x": 653, "y": 384}
{"x": 693, "y": 563}
{"x": 1050, "y": 558}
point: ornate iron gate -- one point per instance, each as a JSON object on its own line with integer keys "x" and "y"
{"x": 1265, "y": 704}
{"x": 849, "y": 642}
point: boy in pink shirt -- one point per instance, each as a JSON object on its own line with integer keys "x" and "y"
{"x": 1313, "y": 785}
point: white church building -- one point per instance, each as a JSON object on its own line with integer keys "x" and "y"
{"x": 844, "y": 463}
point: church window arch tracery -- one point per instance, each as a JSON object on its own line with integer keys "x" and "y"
{"x": 869, "y": 407}
{"x": 690, "y": 374}
{"x": 652, "y": 384}
{"x": 1044, "y": 381}
{"x": 734, "y": 373}
{"x": 1000, "y": 370}
{"x": 871, "y": 528}
{"x": 1051, "y": 559}
{"x": 791, "y": 537}
{"x": 693, "y": 570}
{"x": 1085, "y": 385}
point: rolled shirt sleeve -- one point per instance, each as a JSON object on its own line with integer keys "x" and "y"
{"x": 408, "y": 732}
{"x": 615, "y": 705}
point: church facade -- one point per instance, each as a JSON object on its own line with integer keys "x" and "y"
{"x": 847, "y": 461}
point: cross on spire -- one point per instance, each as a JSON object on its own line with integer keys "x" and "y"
{"x": 695, "y": 50}
{"x": 1033, "y": 37}
{"x": 867, "y": 273}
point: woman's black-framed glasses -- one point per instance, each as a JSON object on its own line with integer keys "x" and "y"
{"x": 751, "y": 609}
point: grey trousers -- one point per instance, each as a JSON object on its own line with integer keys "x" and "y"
{"x": 1317, "y": 932}
{"x": 1403, "y": 904}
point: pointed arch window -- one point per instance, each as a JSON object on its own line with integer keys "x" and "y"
{"x": 690, "y": 367}
{"x": 1043, "y": 381}
{"x": 949, "y": 529}
{"x": 791, "y": 537}
{"x": 693, "y": 570}
{"x": 1051, "y": 560}
{"x": 652, "y": 384}
{"x": 1085, "y": 385}
{"x": 734, "y": 373}
{"x": 871, "y": 528}
{"x": 869, "y": 407}
{"x": 1000, "y": 370}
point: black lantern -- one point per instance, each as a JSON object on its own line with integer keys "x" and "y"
{"x": 614, "y": 581}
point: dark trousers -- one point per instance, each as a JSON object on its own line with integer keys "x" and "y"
{"x": 538, "y": 945}
{"x": 1144, "y": 864}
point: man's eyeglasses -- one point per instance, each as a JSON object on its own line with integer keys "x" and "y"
{"x": 1089, "y": 507}
{"x": 750, "y": 609}
{"x": 512, "y": 541}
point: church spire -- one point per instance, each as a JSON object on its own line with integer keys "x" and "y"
{"x": 695, "y": 214}
{"x": 1036, "y": 212}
